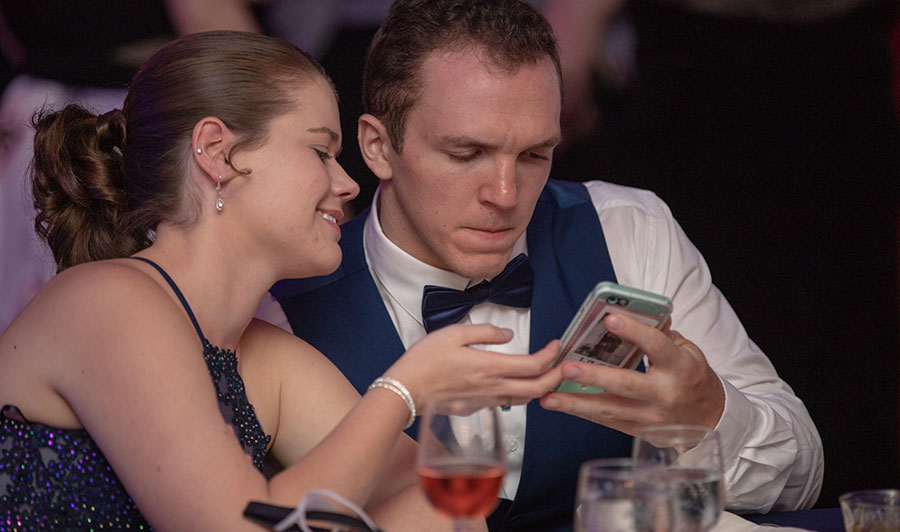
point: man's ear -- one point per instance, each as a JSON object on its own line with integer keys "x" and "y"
{"x": 375, "y": 145}
{"x": 210, "y": 141}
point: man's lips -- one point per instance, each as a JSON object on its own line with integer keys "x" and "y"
{"x": 490, "y": 229}
{"x": 490, "y": 232}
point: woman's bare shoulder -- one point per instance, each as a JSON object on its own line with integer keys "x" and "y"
{"x": 264, "y": 343}
{"x": 106, "y": 285}
{"x": 92, "y": 319}
{"x": 82, "y": 304}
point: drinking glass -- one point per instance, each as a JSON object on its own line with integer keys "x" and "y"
{"x": 691, "y": 460}
{"x": 614, "y": 496}
{"x": 871, "y": 510}
{"x": 461, "y": 458}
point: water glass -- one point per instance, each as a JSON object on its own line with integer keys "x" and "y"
{"x": 691, "y": 459}
{"x": 614, "y": 496}
{"x": 871, "y": 510}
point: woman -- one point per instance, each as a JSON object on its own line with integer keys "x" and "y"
{"x": 169, "y": 220}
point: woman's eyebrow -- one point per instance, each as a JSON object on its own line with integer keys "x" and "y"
{"x": 331, "y": 133}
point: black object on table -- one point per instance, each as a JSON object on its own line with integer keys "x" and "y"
{"x": 269, "y": 515}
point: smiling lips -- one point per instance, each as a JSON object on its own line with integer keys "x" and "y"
{"x": 327, "y": 216}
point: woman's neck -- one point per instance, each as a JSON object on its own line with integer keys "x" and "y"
{"x": 222, "y": 282}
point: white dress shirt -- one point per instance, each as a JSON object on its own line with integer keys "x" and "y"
{"x": 771, "y": 449}
{"x": 400, "y": 278}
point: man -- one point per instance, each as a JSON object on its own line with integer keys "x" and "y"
{"x": 463, "y": 101}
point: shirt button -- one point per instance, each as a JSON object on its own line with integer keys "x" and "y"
{"x": 511, "y": 445}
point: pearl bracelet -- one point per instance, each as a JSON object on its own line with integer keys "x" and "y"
{"x": 398, "y": 388}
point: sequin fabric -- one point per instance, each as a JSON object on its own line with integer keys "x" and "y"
{"x": 55, "y": 479}
{"x": 233, "y": 402}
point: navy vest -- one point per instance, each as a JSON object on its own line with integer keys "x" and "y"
{"x": 343, "y": 316}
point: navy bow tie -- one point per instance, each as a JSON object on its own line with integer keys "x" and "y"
{"x": 512, "y": 287}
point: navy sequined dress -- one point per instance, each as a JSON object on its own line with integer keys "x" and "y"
{"x": 58, "y": 479}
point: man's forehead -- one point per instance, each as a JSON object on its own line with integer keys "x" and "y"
{"x": 469, "y": 68}
{"x": 462, "y": 104}
{"x": 468, "y": 51}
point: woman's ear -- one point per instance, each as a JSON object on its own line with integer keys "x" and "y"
{"x": 375, "y": 146}
{"x": 210, "y": 141}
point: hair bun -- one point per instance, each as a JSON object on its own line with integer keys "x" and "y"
{"x": 111, "y": 131}
{"x": 77, "y": 185}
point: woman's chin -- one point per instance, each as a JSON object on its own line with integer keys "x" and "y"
{"x": 319, "y": 268}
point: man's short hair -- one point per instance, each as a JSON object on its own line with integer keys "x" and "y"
{"x": 509, "y": 33}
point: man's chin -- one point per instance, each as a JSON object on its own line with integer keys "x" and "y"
{"x": 480, "y": 265}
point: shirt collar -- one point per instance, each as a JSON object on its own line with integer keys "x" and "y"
{"x": 402, "y": 275}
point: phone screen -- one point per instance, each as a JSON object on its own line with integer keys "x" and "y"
{"x": 594, "y": 344}
{"x": 588, "y": 340}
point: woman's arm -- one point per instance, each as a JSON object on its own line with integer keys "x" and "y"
{"x": 193, "y": 16}
{"x": 308, "y": 378}
{"x": 409, "y": 511}
{"x": 395, "y": 502}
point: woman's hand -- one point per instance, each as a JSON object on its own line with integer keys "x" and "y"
{"x": 443, "y": 364}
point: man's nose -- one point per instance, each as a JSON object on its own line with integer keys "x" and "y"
{"x": 502, "y": 189}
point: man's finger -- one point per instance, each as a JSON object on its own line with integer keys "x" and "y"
{"x": 655, "y": 344}
{"x": 617, "y": 381}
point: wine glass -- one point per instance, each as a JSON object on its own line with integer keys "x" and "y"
{"x": 690, "y": 458}
{"x": 615, "y": 496}
{"x": 461, "y": 456}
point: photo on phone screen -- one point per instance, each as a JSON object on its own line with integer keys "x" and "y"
{"x": 588, "y": 340}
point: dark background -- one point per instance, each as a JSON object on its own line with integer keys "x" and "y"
{"x": 776, "y": 146}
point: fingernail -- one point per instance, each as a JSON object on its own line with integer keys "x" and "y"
{"x": 614, "y": 322}
{"x": 508, "y": 332}
{"x": 551, "y": 402}
{"x": 571, "y": 372}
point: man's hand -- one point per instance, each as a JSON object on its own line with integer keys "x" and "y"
{"x": 679, "y": 386}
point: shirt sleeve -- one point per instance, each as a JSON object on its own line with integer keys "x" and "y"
{"x": 772, "y": 451}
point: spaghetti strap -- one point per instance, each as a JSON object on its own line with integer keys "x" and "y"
{"x": 178, "y": 293}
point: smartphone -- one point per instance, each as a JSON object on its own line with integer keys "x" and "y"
{"x": 587, "y": 340}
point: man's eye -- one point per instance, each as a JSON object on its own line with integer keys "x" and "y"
{"x": 464, "y": 158}
{"x": 323, "y": 154}
{"x": 538, "y": 156}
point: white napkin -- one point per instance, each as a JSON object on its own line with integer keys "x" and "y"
{"x": 729, "y": 522}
